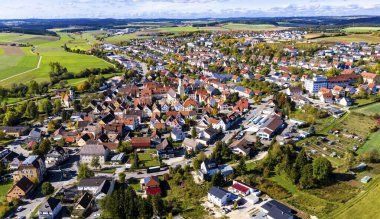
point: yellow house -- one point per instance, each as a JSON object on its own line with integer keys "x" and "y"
{"x": 32, "y": 168}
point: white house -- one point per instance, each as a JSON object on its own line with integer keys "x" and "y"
{"x": 219, "y": 196}
{"x": 89, "y": 152}
{"x": 177, "y": 134}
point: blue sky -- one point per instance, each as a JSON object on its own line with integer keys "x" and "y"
{"x": 10, "y": 9}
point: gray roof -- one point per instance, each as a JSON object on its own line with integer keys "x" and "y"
{"x": 49, "y": 205}
{"x": 93, "y": 149}
{"x": 217, "y": 192}
{"x": 92, "y": 182}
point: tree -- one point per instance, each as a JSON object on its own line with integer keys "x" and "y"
{"x": 44, "y": 147}
{"x": 11, "y": 118}
{"x": 158, "y": 205}
{"x": 307, "y": 180}
{"x": 31, "y": 110}
{"x": 95, "y": 162}
{"x": 312, "y": 130}
{"x": 193, "y": 133}
{"x": 47, "y": 188}
{"x": 84, "y": 172}
{"x": 322, "y": 169}
{"x": 45, "y": 106}
{"x": 83, "y": 86}
{"x": 122, "y": 177}
{"x": 57, "y": 106}
{"x": 217, "y": 179}
{"x": 371, "y": 156}
{"x": 241, "y": 168}
{"x": 2, "y": 135}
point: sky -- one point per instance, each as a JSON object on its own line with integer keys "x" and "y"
{"x": 12, "y": 9}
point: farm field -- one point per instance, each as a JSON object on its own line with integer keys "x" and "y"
{"x": 352, "y": 38}
{"x": 361, "y": 29}
{"x": 26, "y": 38}
{"x": 252, "y": 27}
{"x": 53, "y": 52}
{"x": 369, "y": 109}
{"x": 14, "y": 60}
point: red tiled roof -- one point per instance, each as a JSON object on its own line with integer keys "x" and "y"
{"x": 240, "y": 187}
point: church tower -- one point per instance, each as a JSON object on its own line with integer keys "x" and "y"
{"x": 181, "y": 90}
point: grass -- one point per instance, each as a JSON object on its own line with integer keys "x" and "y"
{"x": 369, "y": 109}
{"x": 147, "y": 160}
{"x": 285, "y": 183}
{"x": 364, "y": 205}
{"x": 53, "y": 52}
{"x": 361, "y": 29}
{"x": 372, "y": 143}
{"x": 4, "y": 188}
{"x": 350, "y": 124}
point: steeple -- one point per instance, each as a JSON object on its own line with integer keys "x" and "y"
{"x": 180, "y": 90}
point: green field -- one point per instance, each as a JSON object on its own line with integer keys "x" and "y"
{"x": 365, "y": 205}
{"x": 146, "y": 160}
{"x": 361, "y": 29}
{"x": 4, "y": 188}
{"x": 26, "y": 38}
{"x": 369, "y": 109}
{"x": 372, "y": 143}
{"x": 53, "y": 52}
{"x": 352, "y": 38}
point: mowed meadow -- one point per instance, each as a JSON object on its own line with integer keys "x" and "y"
{"x": 15, "y": 66}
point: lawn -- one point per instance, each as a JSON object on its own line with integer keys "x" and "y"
{"x": 353, "y": 38}
{"x": 4, "y": 188}
{"x": 53, "y": 52}
{"x": 372, "y": 143}
{"x": 361, "y": 29}
{"x": 148, "y": 160}
{"x": 350, "y": 124}
{"x": 369, "y": 109}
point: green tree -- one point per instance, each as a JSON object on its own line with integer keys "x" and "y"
{"x": 11, "y": 118}
{"x": 44, "y": 147}
{"x": 158, "y": 205}
{"x": 31, "y": 110}
{"x": 122, "y": 177}
{"x": 95, "y": 162}
{"x": 57, "y": 106}
{"x": 241, "y": 168}
{"x": 47, "y": 188}
{"x": 193, "y": 133}
{"x": 307, "y": 180}
{"x": 322, "y": 169}
{"x": 217, "y": 179}
{"x": 84, "y": 172}
{"x": 45, "y": 106}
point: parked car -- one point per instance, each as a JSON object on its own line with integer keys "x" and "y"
{"x": 19, "y": 208}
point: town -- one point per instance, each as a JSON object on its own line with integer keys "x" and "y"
{"x": 204, "y": 124}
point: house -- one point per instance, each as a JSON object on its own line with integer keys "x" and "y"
{"x": 89, "y": 152}
{"x": 191, "y": 145}
{"x": 346, "y": 101}
{"x": 20, "y": 189}
{"x": 50, "y": 208}
{"x": 218, "y": 196}
{"x": 165, "y": 149}
{"x": 326, "y": 97}
{"x": 83, "y": 205}
{"x": 35, "y": 134}
{"x": 56, "y": 156}
{"x": 177, "y": 134}
{"x": 151, "y": 185}
{"x": 33, "y": 168}
{"x": 243, "y": 189}
{"x": 370, "y": 78}
{"x": 208, "y": 134}
{"x": 97, "y": 186}
{"x": 14, "y": 131}
{"x": 294, "y": 91}
{"x": 210, "y": 167}
{"x": 141, "y": 142}
{"x": 276, "y": 210}
{"x": 242, "y": 147}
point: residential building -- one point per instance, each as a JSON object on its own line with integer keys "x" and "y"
{"x": 49, "y": 209}
{"x": 218, "y": 196}
{"x": 89, "y": 152}
{"x": 20, "y": 189}
{"x": 33, "y": 168}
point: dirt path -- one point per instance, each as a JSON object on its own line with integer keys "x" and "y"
{"x": 38, "y": 66}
